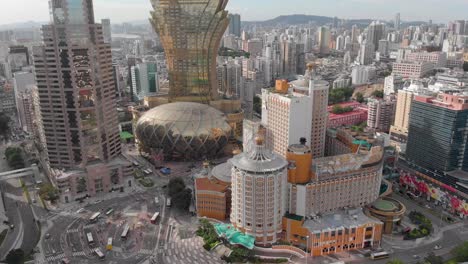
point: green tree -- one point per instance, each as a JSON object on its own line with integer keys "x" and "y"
{"x": 461, "y": 252}
{"x": 378, "y": 93}
{"x": 433, "y": 259}
{"x": 257, "y": 105}
{"x": 81, "y": 186}
{"x": 182, "y": 199}
{"x": 49, "y": 192}
{"x": 340, "y": 95}
{"x": 395, "y": 261}
{"x": 4, "y": 125}
{"x": 359, "y": 97}
{"x": 175, "y": 186}
{"x": 14, "y": 157}
{"x": 15, "y": 256}
{"x": 338, "y": 109}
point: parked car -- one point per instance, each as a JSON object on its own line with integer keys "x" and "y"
{"x": 437, "y": 247}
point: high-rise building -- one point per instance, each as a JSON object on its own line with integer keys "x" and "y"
{"x": 106, "y": 30}
{"x": 324, "y": 37}
{"x": 397, "y": 22}
{"x": 443, "y": 122}
{"x": 191, "y": 32}
{"x": 18, "y": 57}
{"x": 230, "y": 81}
{"x": 25, "y": 108}
{"x": 362, "y": 74}
{"x": 288, "y": 63}
{"x": 376, "y": 31}
{"x": 235, "y": 24}
{"x": 366, "y": 53}
{"x": 400, "y": 127}
{"x": 354, "y": 34}
{"x": 381, "y": 114}
{"x": 145, "y": 80}
{"x": 259, "y": 185}
{"x": 77, "y": 102}
{"x": 280, "y": 109}
{"x": 75, "y": 64}
{"x": 318, "y": 92}
{"x": 340, "y": 42}
{"x": 459, "y": 27}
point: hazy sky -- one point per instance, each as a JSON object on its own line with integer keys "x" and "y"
{"x": 126, "y": 10}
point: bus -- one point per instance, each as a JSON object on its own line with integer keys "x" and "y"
{"x": 154, "y": 218}
{"x": 109, "y": 243}
{"x": 379, "y": 255}
{"x": 125, "y": 232}
{"x": 94, "y": 217}
{"x": 99, "y": 253}
{"x": 109, "y": 211}
{"x": 89, "y": 236}
{"x": 168, "y": 202}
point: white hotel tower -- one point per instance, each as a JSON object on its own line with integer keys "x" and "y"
{"x": 259, "y": 182}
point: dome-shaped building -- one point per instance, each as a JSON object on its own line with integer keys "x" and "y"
{"x": 184, "y": 130}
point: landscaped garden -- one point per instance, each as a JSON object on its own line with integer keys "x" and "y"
{"x": 424, "y": 225}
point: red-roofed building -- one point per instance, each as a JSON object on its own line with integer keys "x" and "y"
{"x": 357, "y": 116}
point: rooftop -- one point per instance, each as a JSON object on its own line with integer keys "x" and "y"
{"x": 339, "y": 220}
{"x": 205, "y": 184}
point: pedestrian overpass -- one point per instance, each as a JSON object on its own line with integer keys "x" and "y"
{"x": 16, "y": 174}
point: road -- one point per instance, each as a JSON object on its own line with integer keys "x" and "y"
{"x": 19, "y": 212}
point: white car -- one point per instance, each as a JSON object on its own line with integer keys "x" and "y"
{"x": 437, "y": 247}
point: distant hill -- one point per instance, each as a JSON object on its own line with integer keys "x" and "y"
{"x": 22, "y": 25}
{"x": 320, "y": 20}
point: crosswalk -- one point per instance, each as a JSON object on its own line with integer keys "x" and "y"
{"x": 55, "y": 257}
{"x": 70, "y": 231}
{"x": 145, "y": 251}
{"x": 79, "y": 254}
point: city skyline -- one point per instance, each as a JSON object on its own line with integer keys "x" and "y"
{"x": 138, "y": 10}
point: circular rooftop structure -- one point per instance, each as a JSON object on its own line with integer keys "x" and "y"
{"x": 385, "y": 205}
{"x": 223, "y": 172}
{"x": 388, "y": 210}
{"x": 184, "y": 131}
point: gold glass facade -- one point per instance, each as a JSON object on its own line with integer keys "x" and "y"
{"x": 190, "y": 32}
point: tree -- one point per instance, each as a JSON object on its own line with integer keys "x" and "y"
{"x": 461, "y": 252}
{"x": 340, "y": 95}
{"x": 15, "y": 256}
{"x": 378, "y": 93}
{"x": 433, "y": 259}
{"x": 81, "y": 186}
{"x": 49, "y": 193}
{"x": 4, "y": 125}
{"x": 257, "y": 105}
{"x": 176, "y": 185}
{"x": 338, "y": 109}
{"x": 182, "y": 199}
{"x": 395, "y": 261}
{"x": 14, "y": 157}
{"x": 359, "y": 97}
